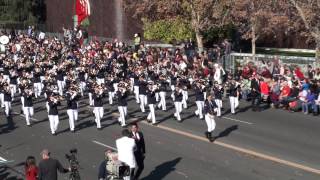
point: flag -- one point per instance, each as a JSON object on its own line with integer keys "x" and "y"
{"x": 83, "y": 11}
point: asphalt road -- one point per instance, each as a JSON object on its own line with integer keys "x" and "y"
{"x": 282, "y": 141}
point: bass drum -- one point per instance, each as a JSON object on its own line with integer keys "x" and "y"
{"x": 4, "y": 39}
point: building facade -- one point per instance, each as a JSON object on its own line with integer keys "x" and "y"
{"x": 108, "y": 19}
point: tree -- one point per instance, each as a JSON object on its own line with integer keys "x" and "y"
{"x": 255, "y": 18}
{"x": 167, "y": 30}
{"x": 308, "y": 12}
{"x": 202, "y": 14}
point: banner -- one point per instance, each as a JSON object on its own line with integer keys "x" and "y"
{"x": 83, "y": 11}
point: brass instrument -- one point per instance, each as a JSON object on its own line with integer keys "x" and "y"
{"x": 56, "y": 98}
{"x": 28, "y": 92}
{"x": 124, "y": 86}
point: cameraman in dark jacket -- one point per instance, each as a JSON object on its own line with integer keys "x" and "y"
{"x": 48, "y": 167}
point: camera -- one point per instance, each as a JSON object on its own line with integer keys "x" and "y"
{"x": 115, "y": 168}
{"x": 74, "y": 164}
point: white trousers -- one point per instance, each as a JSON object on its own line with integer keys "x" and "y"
{"x": 143, "y": 102}
{"x": 90, "y": 99}
{"x": 61, "y": 85}
{"x": 100, "y": 81}
{"x": 136, "y": 93}
{"x": 123, "y": 114}
{"x": 73, "y": 117}
{"x": 178, "y": 106}
{"x": 162, "y": 103}
{"x": 47, "y": 106}
{"x": 211, "y": 124}
{"x": 219, "y": 106}
{"x": 54, "y": 122}
{"x": 234, "y": 103}
{"x": 13, "y": 89}
{"x": 98, "y": 112}
{"x": 111, "y": 96}
{"x": 184, "y": 98}
{"x": 157, "y": 96}
{"x": 28, "y": 112}
{"x": 199, "y": 111}
{"x": 2, "y": 99}
{"x": 37, "y": 89}
{"x": 82, "y": 87}
{"x": 6, "y": 78}
{"x": 131, "y": 85}
{"x": 172, "y": 94}
{"x": 7, "y": 107}
{"x": 151, "y": 115}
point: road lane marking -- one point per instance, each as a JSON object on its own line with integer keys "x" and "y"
{"x": 104, "y": 145}
{"x": 242, "y": 150}
{"x": 231, "y": 119}
{"x": 2, "y": 159}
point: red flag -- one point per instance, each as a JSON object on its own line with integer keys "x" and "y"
{"x": 82, "y": 10}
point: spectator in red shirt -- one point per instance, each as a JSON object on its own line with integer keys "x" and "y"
{"x": 31, "y": 170}
{"x": 285, "y": 92}
{"x": 298, "y": 73}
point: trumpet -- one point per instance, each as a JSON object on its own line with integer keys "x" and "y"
{"x": 56, "y": 98}
{"x": 28, "y": 92}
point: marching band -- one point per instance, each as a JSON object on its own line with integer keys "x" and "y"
{"x": 65, "y": 74}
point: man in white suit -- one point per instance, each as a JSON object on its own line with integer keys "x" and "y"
{"x": 126, "y": 146}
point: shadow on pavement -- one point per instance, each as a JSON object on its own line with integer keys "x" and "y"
{"x": 226, "y": 132}
{"x": 6, "y": 175}
{"x": 161, "y": 171}
{"x": 10, "y": 126}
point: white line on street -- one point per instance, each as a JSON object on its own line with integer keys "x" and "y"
{"x": 231, "y": 119}
{"x": 2, "y": 159}
{"x": 104, "y": 145}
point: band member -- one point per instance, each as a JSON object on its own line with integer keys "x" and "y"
{"x": 22, "y": 86}
{"x": 122, "y": 95}
{"x": 233, "y": 96}
{"x": 111, "y": 90}
{"x": 142, "y": 93}
{"x": 54, "y": 102}
{"x": 82, "y": 78}
{"x": 209, "y": 109}
{"x": 37, "y": 82}
{"x": 163, "y": 89}
{"x": 199, "y": 92}
{"x": 7, "y": 100}
{"x": 178, "y": 102}
{"x": 13, "y": 83}
{"x": 98, "y": 105}
{"x": 72, "y": 98}
{"x": 2, "y": 85}
{"x": 91, "y": 87}
{"x": 28, "y": 105}
{"x": 151, "y": 98}
{"x": 173, "y": 83}
{"x": 184, "y": 83}
{"x": 60, "y": 79}
{"x": 100, "y": 75}
{"x": 218, "y": 92}
{"x": 136, "y": 87}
